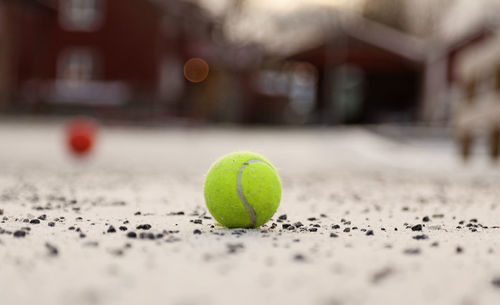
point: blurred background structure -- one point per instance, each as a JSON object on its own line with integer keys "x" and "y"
{"x": 249, "y": 61}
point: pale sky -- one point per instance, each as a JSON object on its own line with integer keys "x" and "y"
{"x": 260, "y": 21}
{"x": 218, "y": 6}
{"x": 292, "y": 4}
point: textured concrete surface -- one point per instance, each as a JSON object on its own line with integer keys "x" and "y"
{"x": 365, "y": 219}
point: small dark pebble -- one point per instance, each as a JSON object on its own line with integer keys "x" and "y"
{"x": 335, "y": 227}
{"x": 369, "y": 232}
{"x": 196, "y": 231}
{"x": 146, "y": 235}
{"x": 298, "y": 224}
{"x": 333, "y": 235}
{"x": 51, "y": 224}
{"x": 42, "y": 217}
{"x": 176, "y": 213}
{"x": 313, "y": 229}
{"x": 71, "y": 228}
{"x": 197, "y": 221}
{"x": 233, "y": 248}
{"x": 93, "y": 244}
{"x": 52, "y": 249}
{"x": 34, "y": 221}
{"x": 311, "y": 218}
{"x": 426, "y": 219}
{"x": 19, "y": 233}
{"x": 286, "y": 225}
{"x": 435, "y": 244}
{"x": 239, "y": 231}
{"x": 417, "y": 227}
{"x": 117, "y": 252}
{"x": 299, "y": 257}
{"x": 137, "y": 213}
{"x": 496, "y": 282}
{"x": 144, "y": 227}
{"x": 111, "y": 229}
{"x": 420, "y": 237}
{"x": 379, "y": 276}
{"x": 282, "y": 217}
{"x": 82, "y": 235}
{"x": 413, "y": 251}
{"x": 123, "y": 228}
{"x": 459, "y": 250}
{"x": 347, "y": 230}
{"x": 132, "y": 235}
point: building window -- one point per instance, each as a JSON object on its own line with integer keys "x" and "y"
{"x": 81, "y": 15}
{"x": 348, "y": 96}
{"x": 77, "y": 66}
{"x": 171, "y": 82}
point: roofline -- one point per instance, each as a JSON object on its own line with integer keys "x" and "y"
{"x": 384, "y": 37}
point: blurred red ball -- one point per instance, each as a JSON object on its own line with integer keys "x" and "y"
{"x": 80, "y": 136}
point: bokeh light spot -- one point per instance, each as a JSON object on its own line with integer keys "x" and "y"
{"x": 196, "y": 70}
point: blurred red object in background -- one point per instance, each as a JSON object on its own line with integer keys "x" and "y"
{"x": 80, "y": 136}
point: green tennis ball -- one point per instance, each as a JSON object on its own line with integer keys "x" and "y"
{"x": 242, "y": 190}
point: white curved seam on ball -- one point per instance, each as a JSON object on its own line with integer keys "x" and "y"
{"x": 241, "y": 196}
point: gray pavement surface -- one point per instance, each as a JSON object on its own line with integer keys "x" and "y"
{"x": 369, "y": 220}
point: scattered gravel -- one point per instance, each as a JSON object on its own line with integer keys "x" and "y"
{"x": 324, "y": 250}
{"x": 417, "y": 227}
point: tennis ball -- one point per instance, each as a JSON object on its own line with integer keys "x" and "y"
{"x": 242, "y": 190}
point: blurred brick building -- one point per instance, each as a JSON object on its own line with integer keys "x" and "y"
{"x": 367, "y": 73}
{"x": 98, "y": 54}
{"x": 355, "y": 62}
